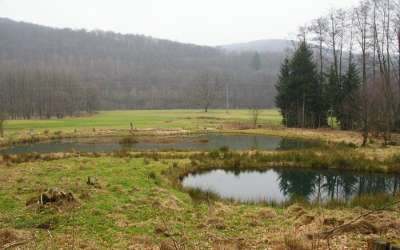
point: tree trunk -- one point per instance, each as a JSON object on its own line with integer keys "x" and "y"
{"x": 1, "y": 128}
{"x": 304, "y": 110}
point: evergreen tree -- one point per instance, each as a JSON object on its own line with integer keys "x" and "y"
{"x": 305, "y": 87}
{"x": 283, "y": 98}
{"x": 256, "y": 62}
{"x": 348, "y": 108}
{"x": 300, "y": 91}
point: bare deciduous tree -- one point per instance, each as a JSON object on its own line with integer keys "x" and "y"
{"x": 32, "y": 91}
{"x": 320, "y": 28}
{"x": 255, "y": 115}
{"x": 207, "y": 88}
{"x": 375, "y": 27}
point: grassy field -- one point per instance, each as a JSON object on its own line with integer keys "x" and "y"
{"x": 136, "y": 206}
{"x": 137, "y": 202}
{"x": 178, "y": 122}
{"x": 187, "y": 119}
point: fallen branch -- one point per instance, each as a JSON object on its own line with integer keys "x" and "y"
{"x": 329, "y": 233}
{"x": 14, "y": 244}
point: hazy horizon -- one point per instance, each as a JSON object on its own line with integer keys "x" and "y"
{"x": 206, "y": 23}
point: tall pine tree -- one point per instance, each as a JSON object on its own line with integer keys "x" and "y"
{"x": 348, "y": 108}
{"x": 282, "y": 99}
{"x": 300, "y": 91}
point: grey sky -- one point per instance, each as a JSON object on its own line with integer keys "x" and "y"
{"x": 206, "y": 22}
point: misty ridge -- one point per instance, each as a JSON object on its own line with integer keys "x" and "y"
{"x": 131, "y": 71}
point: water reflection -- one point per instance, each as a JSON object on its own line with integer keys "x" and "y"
{"x": 288, "y": 184}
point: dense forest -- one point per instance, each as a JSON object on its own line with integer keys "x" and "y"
{"x": 124, "y": 72}
{"x": 347, "y": 66}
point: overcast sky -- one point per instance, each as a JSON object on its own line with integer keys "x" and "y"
{"x": 204, "y": 22}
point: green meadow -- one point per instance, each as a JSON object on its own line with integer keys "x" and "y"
{"x": 187, "y": 119}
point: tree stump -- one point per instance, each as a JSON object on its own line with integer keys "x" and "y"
{"x": 92, "y": 181}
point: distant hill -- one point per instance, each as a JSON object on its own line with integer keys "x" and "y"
{"x": 268, "y": 45}
{"x": 136, "y": 71}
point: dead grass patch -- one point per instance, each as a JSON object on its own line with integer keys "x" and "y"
{"x": 13, "y": 238}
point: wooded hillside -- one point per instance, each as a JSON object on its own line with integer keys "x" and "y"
{"x": 134, "y": 71}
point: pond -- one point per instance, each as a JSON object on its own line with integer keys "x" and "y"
{"x": 203, "y": 142}
{"x": 282, "y": 185}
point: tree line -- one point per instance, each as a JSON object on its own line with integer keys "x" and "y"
{"x": 34, "y": 92}
{"x": 347, "y": 66}
{"x": 139, "y": 72}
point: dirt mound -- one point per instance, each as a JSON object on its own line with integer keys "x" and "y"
{"x": 53, "y": 196}
{"x": 11, "y": 237}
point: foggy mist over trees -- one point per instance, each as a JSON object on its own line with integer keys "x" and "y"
{"x": 124, "y": 71}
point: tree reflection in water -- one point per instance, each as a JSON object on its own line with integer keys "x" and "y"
{"x": 288, "y": 144}
{"x": 313, "y": 185}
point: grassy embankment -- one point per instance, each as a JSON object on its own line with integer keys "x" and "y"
{"x": 135, "y": 205}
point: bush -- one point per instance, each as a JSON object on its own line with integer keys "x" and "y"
{"x": 152, "y": 175}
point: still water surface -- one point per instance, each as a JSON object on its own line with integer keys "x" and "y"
{"x": 280, "y": 185}
{"x": 203, "y": 142}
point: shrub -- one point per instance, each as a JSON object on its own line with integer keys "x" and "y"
{"x": 152, "y": 175}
